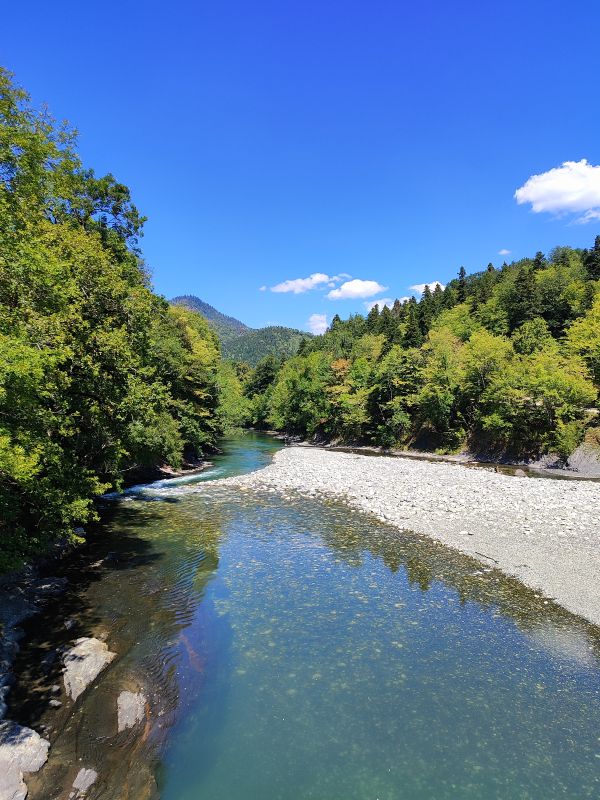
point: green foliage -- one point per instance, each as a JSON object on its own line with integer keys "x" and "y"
{"x": 99, "y": 377}
{"x": 592, "y": 260}
{"x": 234, "y": 407}
{"x": 225, "y": 327}
{"x": 503, "y": 360}
{"x": 531, "y": 400}
{"x": 241, "y": 343}
{"x": 583, "y": 338}
{"x": 255, "y": 344}
{"x": 299, "y": 401}
{"x": 532, "y": 336}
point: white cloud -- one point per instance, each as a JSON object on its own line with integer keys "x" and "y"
{"x": 355, "y": 289}
{"x": 504, "y": 252}
{"x": 301, "y": 285}
{"x": 590, "y": 216}
{"x": 383, "y": 301}
{"x": 572, "y": 188}
{"x": 263, "y": 289}
{"x": 317, "y": 323}
{"x": 420, "y": 287}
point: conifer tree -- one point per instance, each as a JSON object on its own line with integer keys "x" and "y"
{"x": 437, "y": 300}
{"x": 413, "y": 336}
{"x": 426, "y": 310}
{"x": 523, "y": 303}
{"x": 387, "y": 324}
{"x": 592, "y": 260}
{"x": 462, "y": 285}
{"x": 373, "y": 319}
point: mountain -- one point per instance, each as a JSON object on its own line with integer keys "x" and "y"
{"x": 239, "y": 342}
{"x": 259, "y": 342}
{"x": 226, "y": 327}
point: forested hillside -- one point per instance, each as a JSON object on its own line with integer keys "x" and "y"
{"x": 225, "y": 327}
{"x": 255, "y": 344}
{"x": 99, "y": 377}
{"x": 504, "y": 361}
{"x": 241, "y": 343}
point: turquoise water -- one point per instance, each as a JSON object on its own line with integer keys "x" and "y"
{"x": 344, "y": 664}
{"x": 294, "y": 649}
{"x": 238, "y": 456}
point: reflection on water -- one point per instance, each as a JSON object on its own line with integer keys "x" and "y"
{"x": 295, "y": 650}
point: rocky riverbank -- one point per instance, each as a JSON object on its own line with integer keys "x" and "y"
{"x": 57, "y": 685}
{"x": 543, "y": 532}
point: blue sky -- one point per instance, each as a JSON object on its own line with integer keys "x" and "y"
{"x": 272, "y": 141}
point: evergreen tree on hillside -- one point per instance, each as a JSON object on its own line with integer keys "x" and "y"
{"x": 539, "y": 261}
{"x": 437, "y": 300}
{"x": 335, "y": 322}
{"x": 263, "y": 375}
{"x": 413, "y": 335}
{"x": 373, "y": 319}
{"x": 592, "y": 260}
{"x": 426, "y": 307}
{"x": 388, "y": 325}
{"x": 523, "y": 298}
{"x": 462, "y": 285}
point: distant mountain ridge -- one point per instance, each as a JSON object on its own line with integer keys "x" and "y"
{"x": 239, "y": 342}
{"x": 223, "y": 324}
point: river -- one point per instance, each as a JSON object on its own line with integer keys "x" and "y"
{"x": 296, "y": 649}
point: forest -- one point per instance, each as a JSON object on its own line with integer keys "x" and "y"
{"x": 505, "y": 361}
{"x": 99, "y": 377}
{"x": 241, "y": 343}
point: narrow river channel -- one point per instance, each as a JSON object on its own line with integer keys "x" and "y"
{"x": 294, "y": 649}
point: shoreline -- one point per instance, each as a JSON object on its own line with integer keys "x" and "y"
{"x": 583, "y": 464}
{"x": 546, "y": 467}
{"x": 544, "y": 533}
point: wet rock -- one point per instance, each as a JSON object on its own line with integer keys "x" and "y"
{"x": 22, "y": 594}
{"x": 85, "y": 778}
{"x": 131, "y": 709}
{"x": 49, "y": 587}
{"x": 83, "y": 662}
{"x": 22, "y": 750}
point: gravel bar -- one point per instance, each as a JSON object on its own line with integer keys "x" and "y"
{"x": 544, "y": 532}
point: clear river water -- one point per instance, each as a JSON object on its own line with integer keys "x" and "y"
{"x": 293, "y": 649}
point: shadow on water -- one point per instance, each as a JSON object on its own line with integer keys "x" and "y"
{"x": 69, "y": 616}
{"x": 139, "y": 594}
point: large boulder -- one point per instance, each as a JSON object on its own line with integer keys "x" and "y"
{"x": 83, "y": 662}
{"x": 21, "y": 750}
{"x": 131, "y": 709}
